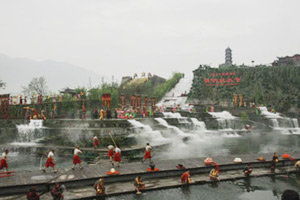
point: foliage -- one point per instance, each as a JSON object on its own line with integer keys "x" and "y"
{"x": 149, "y": 88}
{"x": 244, "y": 116}
{"x": 276, "y": 86}
{"x": 36, "y": 86}
{"x": 162, "y": 89}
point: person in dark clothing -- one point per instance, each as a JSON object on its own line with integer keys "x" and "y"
{"x": 108, "y": 114}
{"x": 57, "y": 192}
{"x": 247, "y": 171}
{"x": 99, "y": 187}
{"x": 32, "y": 194}
{"x": 290, "y": 195}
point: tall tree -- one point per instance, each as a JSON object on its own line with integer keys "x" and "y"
{"x": 36, "y": 86}
{"x": 2, "y": 84}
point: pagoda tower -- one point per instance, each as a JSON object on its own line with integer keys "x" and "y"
{"x": 228, "y": 56}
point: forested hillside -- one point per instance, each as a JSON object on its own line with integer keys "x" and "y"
{"x": 276, "y": 86}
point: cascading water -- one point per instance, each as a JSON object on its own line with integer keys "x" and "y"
{"x": 147, "y": 133}
{"x": 279, "y": 122}
{"x": 29, "y": 134}
{"x": 224, "y": 119}
{"x": 198, "y": 125}
{"x": 295, "y": 123}
{"x": 172, "y": 115}
{"x": 165, "y": 124}
{"x": 275, "y": 123}
{"x": 178, "y": 95}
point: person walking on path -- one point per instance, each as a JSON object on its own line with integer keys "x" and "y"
{"x": 50, "y": 161}
{"x": 117, "y": 156}
{"x": 76, "y": 158}
{"x": 147, "y": 153}
{"x": 3, "y": 162}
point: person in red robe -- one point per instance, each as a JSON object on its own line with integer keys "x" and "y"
{"x": 147, "y": 153}
{"x": 117, "y": 156}
{"x": 50, "y": 161}
{"x": 76, "y": 158}
{"x": 96, "y": 142}
{"x": 111, "y": 153}
{"x": 186, "y": 177}
{"x": 3, "y": 162}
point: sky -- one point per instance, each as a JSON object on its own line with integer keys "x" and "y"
{"x": 123, "y": 37}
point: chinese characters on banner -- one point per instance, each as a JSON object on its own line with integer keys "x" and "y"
{"x": 222, "y": 79}
{"x": 106, "y": 100}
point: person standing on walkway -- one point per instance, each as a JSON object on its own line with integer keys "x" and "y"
{"x": 111, "y": 153}
{"x": 147, "y": 153}
{"x": 3, "y": 162}
{"x": 102, "y": 113}
{"x": 76, "y": 158}
{"x": 95, "y": 142}
{"x": 50, "y": 161}
{"x": 117, "y": 156}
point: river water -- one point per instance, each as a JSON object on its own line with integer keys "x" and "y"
{"x": 263, "y": 188}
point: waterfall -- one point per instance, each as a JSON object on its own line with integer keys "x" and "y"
{"x": 172, "y": 115}
{"x": 264, "y": 111}
{"x": 224, "y": 119}
{"x": 279, "y": 122}
{"x": 275, "y": 123}
{"x": 146, "y": 133}
{"x": 178, "y": 94}
{"x": 29, "y": 133}
{"x": 198, "y": 125}
{"x": 295, "y": 123}
{"x": 165, "y": 124}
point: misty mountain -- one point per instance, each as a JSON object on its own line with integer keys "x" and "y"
{"x": 18, "y": 72}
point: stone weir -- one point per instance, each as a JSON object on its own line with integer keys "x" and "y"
{"x": 22, "y": 181}
{"x": 63, "y": 132}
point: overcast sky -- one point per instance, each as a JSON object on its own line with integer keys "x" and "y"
{"x": 121, "y": 37}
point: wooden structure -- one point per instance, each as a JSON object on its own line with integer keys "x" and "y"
{"x": 122, "y": 100}
{"x": 138, "y": 101}
{"x": 146, "y": 102}
{"x": 153, "y": 102}
{"x": 133, "y": 100}
{"x": 4, "y": 106}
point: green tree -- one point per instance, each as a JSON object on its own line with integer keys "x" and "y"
{"x": 36, "y": 86}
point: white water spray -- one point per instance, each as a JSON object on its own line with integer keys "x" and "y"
{"x": 28, "y": 134}
{"x": 165, "y": 124}
{"x": 224, "y": 119}
{"x": 172, "y": 115}
{"x": 146, "y": 133}
{"x": 198, "y": 125}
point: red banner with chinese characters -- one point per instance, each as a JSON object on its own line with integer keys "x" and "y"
{"x": 222, "y": 79}
{"x": 106, "y": 100}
